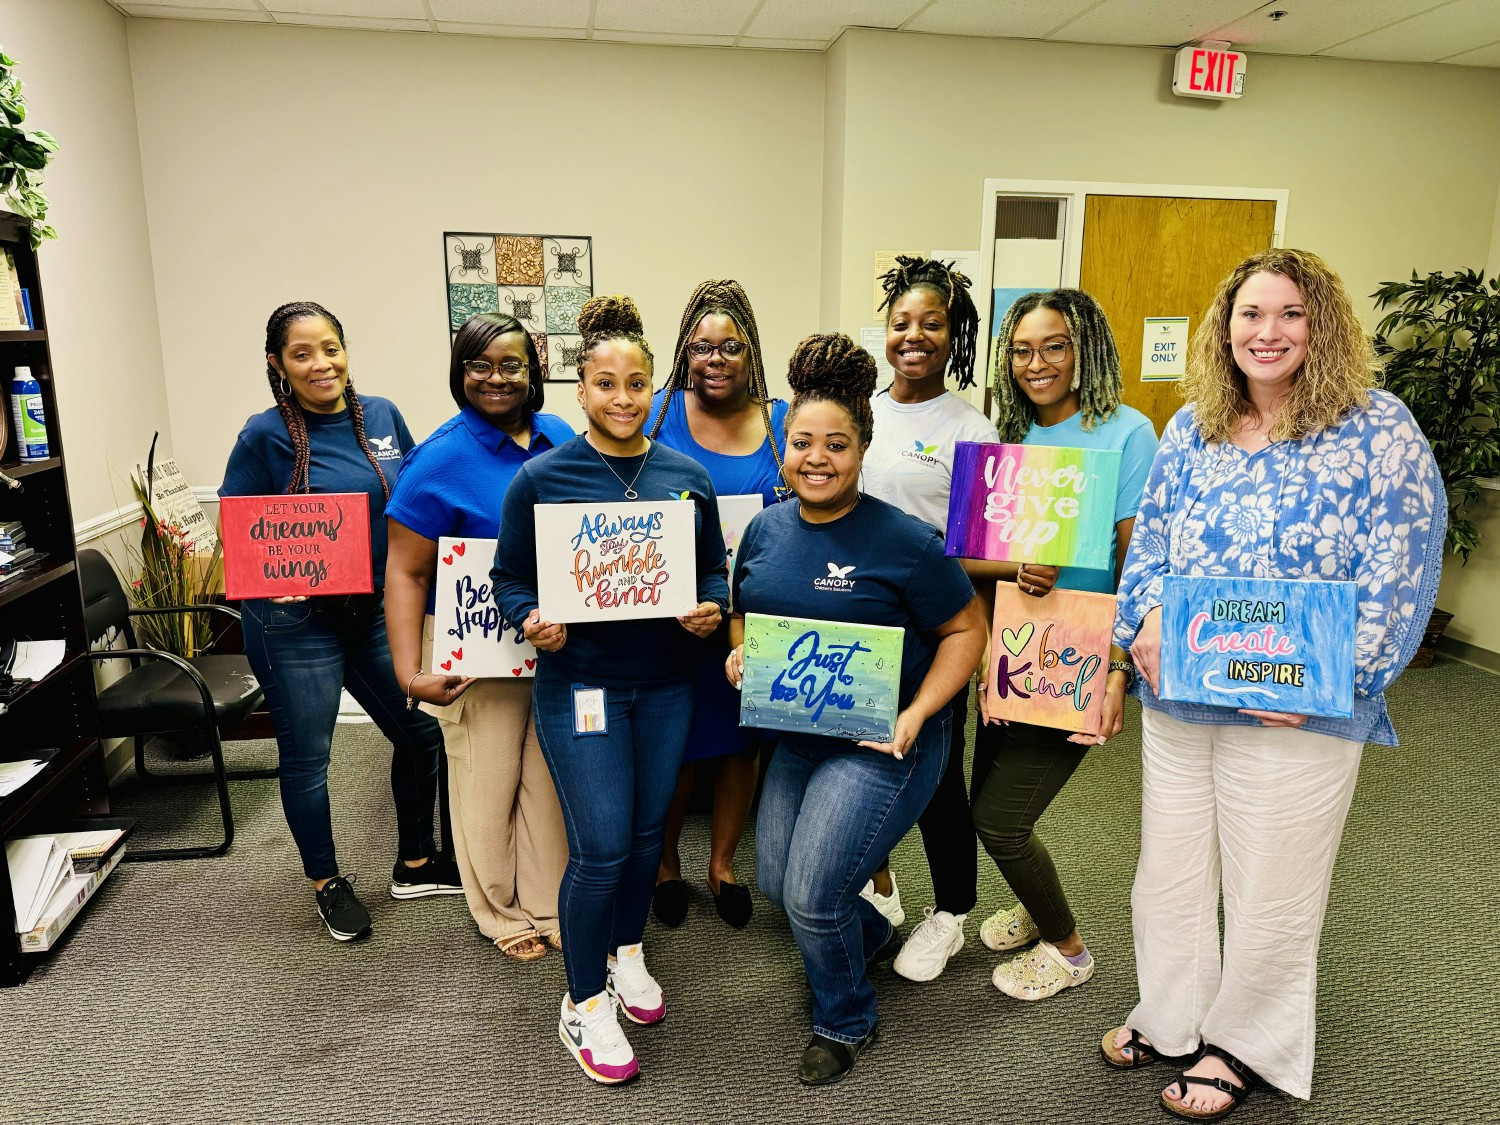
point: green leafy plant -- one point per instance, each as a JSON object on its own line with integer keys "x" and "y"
{"x": 24, "y": 153}
{"x": 1441, "y": 347}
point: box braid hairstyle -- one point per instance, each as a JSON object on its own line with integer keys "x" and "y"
{"x": 611, "y": 317}
{"x": 476, "y": 335}
{"x": 952, "y": 289}
{"x": 723, "y": 298}
{"x": 286, "y": 402}
{"x": 830, "y": 367}
{"x": 1096, "y": 362}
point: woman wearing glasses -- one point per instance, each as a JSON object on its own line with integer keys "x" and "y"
{"x": 507, "y": 826}
{"x": 716, "y": 409}
{"x": 1057, "y": 382}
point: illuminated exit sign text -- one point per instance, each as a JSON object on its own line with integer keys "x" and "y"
{"x": 1204, "y": 72}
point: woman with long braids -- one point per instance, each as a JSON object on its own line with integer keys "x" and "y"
{"x": 322, "y": 437}
{"x": 716, "y": 409}
{"x": 832, "y": 809}
{"x": 632, "y": 677}
{"x": 1056, "y": 380}
{"x": 931, "y": 330}
{"x": 507, "y": 827}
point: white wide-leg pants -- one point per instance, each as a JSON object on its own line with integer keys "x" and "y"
{"x": 1259, "y": 810}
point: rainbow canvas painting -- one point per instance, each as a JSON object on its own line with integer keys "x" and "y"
{"x": 1049, "y": 657}
{"x": 1033, "y": 503}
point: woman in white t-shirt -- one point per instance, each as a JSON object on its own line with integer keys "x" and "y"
{"x": 931, "y": 330}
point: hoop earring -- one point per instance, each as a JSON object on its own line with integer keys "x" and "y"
{"x": 286, "y": 388}
{"x": 531, "y": 391}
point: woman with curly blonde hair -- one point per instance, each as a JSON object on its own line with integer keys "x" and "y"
{"x": 1287, "y": 463}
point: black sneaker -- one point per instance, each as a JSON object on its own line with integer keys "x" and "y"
{"x": 438, "y": 876}
{"x": 342, "y": 913}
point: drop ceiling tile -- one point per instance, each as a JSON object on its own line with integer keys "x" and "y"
{"x": 1163, "y": 23}
{"x": 364, "y": 9}
{"x": 1309, "y": 26}
{"x": 513, "y": 13}
{"x": 1432, "y": 35}
{"x": 675, "y": 17}
{"x": 182, "y": 12}
{"x": 662, "y": 38}
{"x": 784, "y": 44}
{"x": 513, "y": 32}
{"x": 802, "y": 19}
{"x": 1018, "y": 19}
{"x": 353, "y": 23}
{"x": 1483, "y": 56}
{"x": 213, "y": 6}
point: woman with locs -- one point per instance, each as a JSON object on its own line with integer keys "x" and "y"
{"x": 508, "y": 833}
{"x": 716, "y": 409}
{"x": 322, "y": 437}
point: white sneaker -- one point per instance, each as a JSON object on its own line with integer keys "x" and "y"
{"x": 938, "y": 936}
{"x": 1040, "y": 972}
{"x": 888, "y": 905}
{"x": 1009, "y": 929}
{"x": 634, "y": 989}
{"x": 591, "y": 1033}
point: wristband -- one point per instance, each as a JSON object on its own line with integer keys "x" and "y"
{"x": 1124, "y": 666}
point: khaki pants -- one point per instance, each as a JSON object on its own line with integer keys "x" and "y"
{"x": 507, "y": 825}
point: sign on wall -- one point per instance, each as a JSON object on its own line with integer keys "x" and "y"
{"x": 470, "y": 637}
{"x": 616, "y": 561}
{"x": 1049, "y": 657}
{"x": 1267, "y": 644}
{"x": 1033, "y": 503}
{"x": 1164, "y": 343}
{"x": 1208, "y": 72}
{"x": 542, "y": 280}
{"x": 280, "y": 546}
{"x": 821, "y": 677}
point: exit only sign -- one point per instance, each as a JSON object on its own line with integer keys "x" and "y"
{"x": 1206, "y": 72}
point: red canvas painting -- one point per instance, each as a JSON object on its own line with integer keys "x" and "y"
{"x": 278, "y": 546}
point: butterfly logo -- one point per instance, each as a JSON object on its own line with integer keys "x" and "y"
{"x": 386, "y": 444}
{"x": 924, "y": 448}
{"x": 836, "y": 571}
{"x": 683, "y": 495}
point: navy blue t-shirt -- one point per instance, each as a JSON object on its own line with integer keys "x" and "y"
{"x": 609, "y": 653}
{"x": 888, "y": 568}
{"x": 261, "y": 462}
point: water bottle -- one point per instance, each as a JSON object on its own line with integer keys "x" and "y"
{"x": 30, "y": 418}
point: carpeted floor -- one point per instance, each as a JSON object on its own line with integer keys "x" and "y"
{"x": 209, "y": 990}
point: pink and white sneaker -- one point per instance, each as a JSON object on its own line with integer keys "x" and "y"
{"x": 634, "y": 989}
{"x": 591, "y": 1033}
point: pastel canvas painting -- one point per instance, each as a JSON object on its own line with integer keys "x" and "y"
{"x": 1049, "y": 657}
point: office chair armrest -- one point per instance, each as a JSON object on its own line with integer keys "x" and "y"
{"x": 170, "y": 658}
{"x": 157, "y": 611}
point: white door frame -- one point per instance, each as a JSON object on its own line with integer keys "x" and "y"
{"x": 1073, "y": 193}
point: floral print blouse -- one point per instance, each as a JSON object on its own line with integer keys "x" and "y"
{"x": 1361, "y": 501}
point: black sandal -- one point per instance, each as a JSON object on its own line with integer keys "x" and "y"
{"x": 1142, "y": 1053}
{"x": 1248, "y": 1081}
{"x": 826, "y": 1060}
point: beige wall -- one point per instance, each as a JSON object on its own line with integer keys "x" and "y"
{"x": 101, "y": 305}
{"x": 293, "y": 163}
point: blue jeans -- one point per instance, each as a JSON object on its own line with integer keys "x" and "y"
{"x": 827, "y": 821}
{"x": 303, "y": 653}
{"x": 615, "y": 789}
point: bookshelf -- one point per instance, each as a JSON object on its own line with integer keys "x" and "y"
{"x": 53, "y": 718}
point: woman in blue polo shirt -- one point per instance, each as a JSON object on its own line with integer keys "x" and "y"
{"x": 508, "y": 833}
{"x": 832, "y": 809}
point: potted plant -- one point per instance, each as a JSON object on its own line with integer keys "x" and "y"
{"x": 23, "y": 155}
{"x": 1440, "y": 343}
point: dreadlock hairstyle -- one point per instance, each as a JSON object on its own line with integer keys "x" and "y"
{"x": 952, "y": 289}
{"x": 830, "y": 367}
{"x": 611, "y": 317}
{"x": 1335, "y": 378}
{"x": 723, "y": 298}
{"x": 286, "y": 402}
{"x": 1096, "y": 362}
{"x": 477, "y": 334}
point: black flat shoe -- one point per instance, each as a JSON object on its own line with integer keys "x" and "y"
{"x": 826, "y": 1061}
{"x": 732, "y": 901}
{"x": 669, "y": 902}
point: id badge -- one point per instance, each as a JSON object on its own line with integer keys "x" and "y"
{"x": 589, "y": 716}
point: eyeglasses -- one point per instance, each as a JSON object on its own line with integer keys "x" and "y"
{"x": 728, "y": 349}
{"x": 511, "y": 370}
{"x": 1051, "y": 354}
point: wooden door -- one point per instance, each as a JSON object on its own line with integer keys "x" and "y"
{"x": 1146, "y": 256}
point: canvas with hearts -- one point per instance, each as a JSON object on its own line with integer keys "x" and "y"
{"x": 470, "y": 638}
{"x": 1049, "y": 657}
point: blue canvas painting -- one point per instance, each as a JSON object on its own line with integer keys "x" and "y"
{"x": 821, "y": 677}
{"x": 1268, "y": 644}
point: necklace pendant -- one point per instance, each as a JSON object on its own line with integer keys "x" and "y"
{"x": 632, "y": 494}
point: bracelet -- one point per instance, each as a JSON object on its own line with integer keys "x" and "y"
{"x": 410, "y": 702}
{"x": 1124, "y": 666}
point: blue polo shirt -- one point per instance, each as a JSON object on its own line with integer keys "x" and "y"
{"x": 732, "y": 475}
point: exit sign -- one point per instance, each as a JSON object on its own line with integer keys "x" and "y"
{"x": 1206, "y": 72}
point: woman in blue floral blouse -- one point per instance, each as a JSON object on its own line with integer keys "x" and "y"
{"x": 1286, "y": 463}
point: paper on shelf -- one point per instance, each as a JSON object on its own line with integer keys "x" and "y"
{"x": 38, "y": 867}
{"x": 13, "y": 775}
{"x": 36, "y": 659}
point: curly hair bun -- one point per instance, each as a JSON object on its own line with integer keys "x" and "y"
{"x": 609, "y": 313}
{"x": 831, "y": 364}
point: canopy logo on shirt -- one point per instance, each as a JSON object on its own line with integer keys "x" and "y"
{"x": 837, "y": 579}
{"x": 384, "y": 448}
{"x": 922, "y": 453}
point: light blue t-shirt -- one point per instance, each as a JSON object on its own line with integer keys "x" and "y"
{"x": 1128, "y": 433}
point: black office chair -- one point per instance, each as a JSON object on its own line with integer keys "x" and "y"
{"x": 165, "y": 694}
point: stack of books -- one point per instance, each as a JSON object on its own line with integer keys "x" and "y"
{"x": 82, "y": 859}
{"x": 17, "y": 559}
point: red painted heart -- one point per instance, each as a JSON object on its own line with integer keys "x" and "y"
{"x": 515, "y": 671}
{"x": 446, "y": 666}
{"x": 460, "y": 548}
{"x": 447, "y": 560}
{"x": 457, "y": 654}
{"x": 530, "y": 664}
